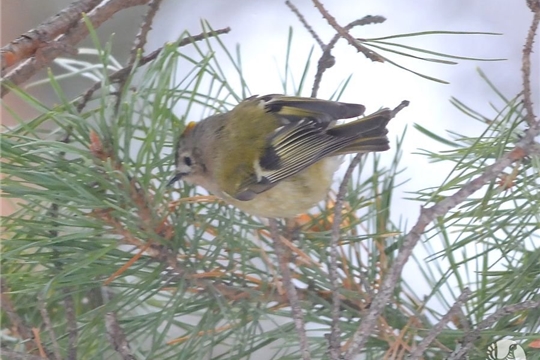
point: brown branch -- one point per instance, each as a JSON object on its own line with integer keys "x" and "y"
{"x": 28, "y": 43}
{"x": 37, "y": 341}
{"x": 419, "y": 350}
{"x": 117, "y": 337}
{"x": 304, "y": 22}
{"x": 230, "y": 292}
{"x": 472, "y": 336}
{"x": 327, "y": 60}
{"x": 366, "y": 20}
{"x": 290, "y": 289}
{"x": 70, "y": 314}
{"x": 373, "y": 56}
{"x": 9, "y": 354}
{"x": 161, "y": 253}
{"x": 526, "y": 62}
{"x": 427, "y": 215}
{"x": 138, "y": 45}
{"x": 48, "y": 325}
{"x": 121, "y": 74}
{"x": 23, "y": 330}
{"x": 335, "y": 332}
{"x": 73, "y": 36}
{"x": 71, "y": 322}
{"x": 146, "y": 26}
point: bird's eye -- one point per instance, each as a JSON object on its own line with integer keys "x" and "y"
{"x": 187, "y": 160}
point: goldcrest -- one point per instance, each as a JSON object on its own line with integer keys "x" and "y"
{"x": 275, "y": 155}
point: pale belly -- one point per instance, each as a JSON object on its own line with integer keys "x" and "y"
{"x": 294, "y": 195}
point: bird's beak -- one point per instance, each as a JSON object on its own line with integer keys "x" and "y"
{"x": 175, "y": 178}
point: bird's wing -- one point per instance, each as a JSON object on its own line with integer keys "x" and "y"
{"x": 307, "y": 136}
{"x": 293, "y": 108}
{"x": 291, "y": 148}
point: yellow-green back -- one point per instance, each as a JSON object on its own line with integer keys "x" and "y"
{"x": 246, "y": 130}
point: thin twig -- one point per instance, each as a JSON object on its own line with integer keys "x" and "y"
{"x": 470, "y": 337}
{"x": 164, "y": 255}
{"x": 427, "y": 215}
{"x": 23, "y": 330}
{"x": 463, "y": 321}
{"x": 71, "y": 322}
{"x": 290, "y": 289}
{"x": 363, "y": 277}
{"x": 146, "y": 26}
{"x": 124, "y": 72}
{"x": 366, "y": 20}
{"x": 526, "y": 62}
{"x": 41, "y": 36}
{"x": 48, "y": 325}
{"x": 37, "y": 341}
{"x": 117, "y": 337}
{"x": 419, "y": 350}
{"x": 327, "y": 60}
{"x": 69, "y": 305}
{"x": 304, "y": 22}
{"x": 335, "y": 332}
{"x": 373, "y": 56}
{"x": 77, "y": 33}
{"x": 138, "y": 45}
{"x": 9, "y": 354}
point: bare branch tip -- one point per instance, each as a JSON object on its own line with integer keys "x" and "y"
{"x": 400, "y": 107}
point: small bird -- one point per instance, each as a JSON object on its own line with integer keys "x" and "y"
{"x": 275, "y": 155}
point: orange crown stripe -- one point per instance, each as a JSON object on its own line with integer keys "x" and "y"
{"x": 189, "y": 127}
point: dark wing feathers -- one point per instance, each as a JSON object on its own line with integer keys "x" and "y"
{"x": 309, "y": 135}
{"x": 297, "y": 108}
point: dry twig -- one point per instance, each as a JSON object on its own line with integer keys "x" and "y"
{"x": 117, "y": 337}
{"x": 333, "y": 275}
{"x": 304, "y": 22}
{"x": 23, "y": 330}
{"x": 419, "y": 350}
{"x": 327, "y": 60}
{"x": 9, "y": 354}
{"x": 120, "y": 75}
{"x": 146, "y": 26}
{"x": 48, "y": 325}
{"x": 471, "y": 336}
{"x": 526, "y": 62}
{"x": 72, "y": 37}
{"x": 31, "y": 41}
{"x": 290, "y": 289}
{"x": 71, "y": 320}
{"x": 344, "y": 33}
{"x": 138, "y": 45}
{"x": 427, "y": 215}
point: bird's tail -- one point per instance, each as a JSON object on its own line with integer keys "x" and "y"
{"x": 367, "y": 134}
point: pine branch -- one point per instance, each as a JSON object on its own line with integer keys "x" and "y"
{"x": 117, "y": 337}
{"x": 418, "y": 351}
{"x": 471, "y": 336}
{"x": 121, "y": 75}
{"x": 146, "y": 26}
{"x": 344, "y": 33}
{"x": 20, "y": 325}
